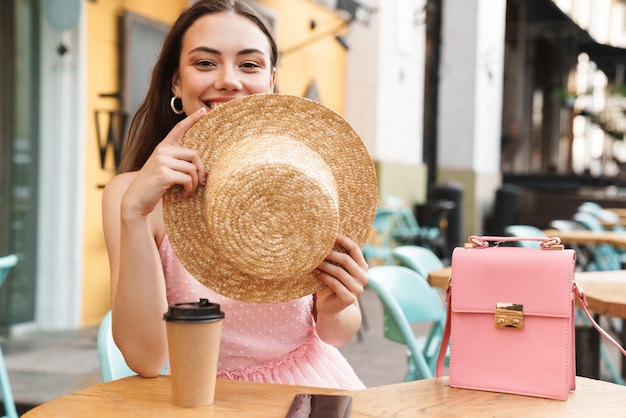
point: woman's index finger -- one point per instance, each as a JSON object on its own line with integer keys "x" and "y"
{"x": 183, "y": 126}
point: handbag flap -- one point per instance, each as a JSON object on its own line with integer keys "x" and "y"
{"x": 541, "y": 280}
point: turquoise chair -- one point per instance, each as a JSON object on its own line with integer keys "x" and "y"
{"x": 380, "y": 251}
{"x": 590, "y": 207}
{"x": 602, "y": 214}
{"x": 584, "y": 253}
{"x": 112, "y": 363}
{"x": 408, "y": 231}
{"x": 6, "y": 263}
{"x": 606, "y": 256}
{"x": 420, "y": 259}
{"x": 598, "y": 216}
{"x": 407, "y": 299}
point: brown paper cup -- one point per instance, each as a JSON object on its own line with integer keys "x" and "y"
{"x": 194, "y": 331}
{"x": 194, "y": 349}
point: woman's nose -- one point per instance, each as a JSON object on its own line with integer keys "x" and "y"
{"x": 227, "y": 79}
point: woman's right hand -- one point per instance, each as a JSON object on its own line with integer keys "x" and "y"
{"x": 168, "y": 165}
{"x": 138, "y": 294}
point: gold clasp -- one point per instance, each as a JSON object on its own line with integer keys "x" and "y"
{"x": 509, "y": 315}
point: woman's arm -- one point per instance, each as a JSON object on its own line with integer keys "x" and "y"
{"x": 133, "y": 225}
{"x": 338, "y": 313}
{"x": 137, "y": 281}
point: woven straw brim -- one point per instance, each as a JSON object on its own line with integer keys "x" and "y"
{"x": 286, "y": 174}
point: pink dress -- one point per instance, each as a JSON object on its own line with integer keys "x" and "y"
{"x": 275, "y": 343}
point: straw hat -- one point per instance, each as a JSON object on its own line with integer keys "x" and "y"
{"x": 285, "y": 175}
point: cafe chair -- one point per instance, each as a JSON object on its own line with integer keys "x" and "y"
{"x": 7, "y": 262}
{"x": 603, "y": 215}
{"x": 408, "y": 231}
{"x": 377, "y": 249}
{"x": 589, "y": 220}
{"x": 420, "y": 259}
{"x": 584, "y": 253}
{"x": 406, "y": 228}
{"x": 112, "y": 363}
{"x": 606, "y": 256}
{"x": 408, "y": 299}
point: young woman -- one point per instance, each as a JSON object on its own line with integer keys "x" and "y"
{"x": 216, "y": 51}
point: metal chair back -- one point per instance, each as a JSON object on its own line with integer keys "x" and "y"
{"x": 6, "y": 263}
{"x": 112, "y": 363}
{"x": 408, "y": 299}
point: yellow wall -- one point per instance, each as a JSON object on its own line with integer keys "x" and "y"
{"x": 322, "y": 61}
{"x": 102, "y": 77}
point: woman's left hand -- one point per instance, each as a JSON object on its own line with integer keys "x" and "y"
{"x": 345, "y": 277}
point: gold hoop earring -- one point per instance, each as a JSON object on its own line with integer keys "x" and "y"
{"x": 173, "y": 106}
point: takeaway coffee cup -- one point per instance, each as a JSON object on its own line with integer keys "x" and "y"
{"x": 193, "y": 336}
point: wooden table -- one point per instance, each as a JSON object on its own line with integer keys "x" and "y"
{"x": 609, "y": 225}
{"x": 139, "y": 397}
{"x": 606, "y": 296}
{"x": 617, "y": 239}
{"x": 605, "y": 290}
{"x": 621, "y": 212}
{"x": 440, "y": 278}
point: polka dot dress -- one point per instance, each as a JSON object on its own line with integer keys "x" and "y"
{"x": 275, "y": 343}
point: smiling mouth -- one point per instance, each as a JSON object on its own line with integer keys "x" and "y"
{"x": 214, "y": 105}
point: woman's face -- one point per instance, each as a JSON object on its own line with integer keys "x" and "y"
{"x": 223, "y": 56}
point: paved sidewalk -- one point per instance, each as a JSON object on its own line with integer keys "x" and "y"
{"x": 47, "y": 365}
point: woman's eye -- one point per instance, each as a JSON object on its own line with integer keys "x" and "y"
{"x": 250, "y": 65}
{"x": 204, "y": 64}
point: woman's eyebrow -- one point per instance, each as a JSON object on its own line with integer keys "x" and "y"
{"x": 204, "y": 49}
{"x": 246, "y": 51}
{"x": 249, "y": 51}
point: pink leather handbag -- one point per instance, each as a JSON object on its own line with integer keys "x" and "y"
{"x": 510, "y": 318}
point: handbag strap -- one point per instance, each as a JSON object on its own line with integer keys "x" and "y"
{"x": 582, "y": 298}
{"x": 580, "y": 295}
{"x": 443, "y": 348}
{"x": 546, "y": 243}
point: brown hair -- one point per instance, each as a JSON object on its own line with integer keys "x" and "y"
{"x": 154, "y": 118}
